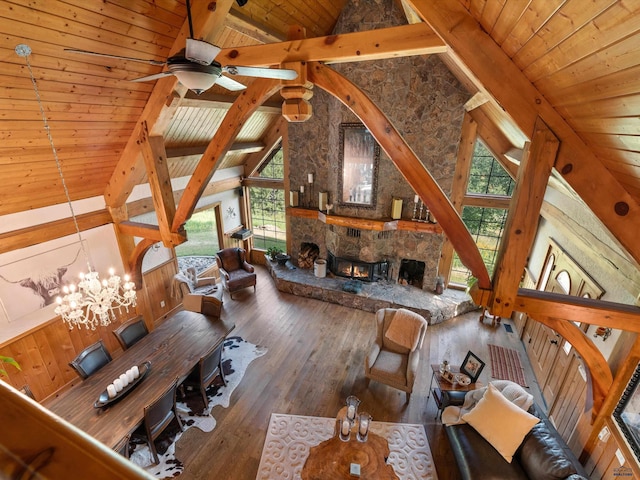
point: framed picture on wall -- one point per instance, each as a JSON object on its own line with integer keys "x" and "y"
{"x": 472, "y": 366}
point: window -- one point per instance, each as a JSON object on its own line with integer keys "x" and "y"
{"x": 202, "y": 234}
{"x": 268, "y": 206}
{"x": 487, "y": 177}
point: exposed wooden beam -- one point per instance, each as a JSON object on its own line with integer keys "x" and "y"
{"x": 407, "y": 163}
{"x": 486, "y": 201}
{"x": 378, "y": 44}
{"x": 150, "y": 232}
{"x": 44, "y": 232}
{"x": 470, "y": 45}
{"x": 495, "y": 140}
{"x": 271, "y": 140}
{"x": 476, "y": 101}
{"x": 522, "y": 222}
{"x": 234, "y": 120}
{"x": 263, "y": 182}
{"x": 155, "y": 159}
{"x": 162, "y": 102}
{"x": 198, "y": 150}
{"x": 459, "y": 188}
{"x": 210, "y": 99}
{"x": 585, "y": 310}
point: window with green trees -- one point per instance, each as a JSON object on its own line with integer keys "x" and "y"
{"x": 268, "y": 206}
{"x": 486, "y": 225}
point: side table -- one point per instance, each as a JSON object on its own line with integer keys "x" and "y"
{"x": 447, "y": 393}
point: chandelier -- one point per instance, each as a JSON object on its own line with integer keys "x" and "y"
{"x": 92, "y": 302}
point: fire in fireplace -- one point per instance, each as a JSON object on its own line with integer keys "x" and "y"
{"x": 365, "y": 271}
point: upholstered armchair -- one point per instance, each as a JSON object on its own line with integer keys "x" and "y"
{"x": 197, "y": 294}
{"x": 394, "y": 356}
{"x": 236, "y": 273}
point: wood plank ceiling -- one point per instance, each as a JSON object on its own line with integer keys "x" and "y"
{"x": 584, "y": 57}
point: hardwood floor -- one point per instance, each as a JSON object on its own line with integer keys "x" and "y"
{"x": 314, "y": 361}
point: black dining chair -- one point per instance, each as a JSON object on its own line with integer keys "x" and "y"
{"x": 130, "y": 332}
{"x": 91, "y": 359}
{"x": 158, "y": 415}
{"x": 122, "y": 447}
{"x": 207, "y": 370}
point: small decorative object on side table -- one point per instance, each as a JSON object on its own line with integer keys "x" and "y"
{"x": 450, "y": 387}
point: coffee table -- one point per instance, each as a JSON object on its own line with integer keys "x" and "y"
{"x": 333, "y": 458}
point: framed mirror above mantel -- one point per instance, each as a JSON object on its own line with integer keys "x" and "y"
{"x": 359, "y": 155}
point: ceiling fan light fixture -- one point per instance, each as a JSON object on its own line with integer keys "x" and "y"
{"x": 197, "y": 78}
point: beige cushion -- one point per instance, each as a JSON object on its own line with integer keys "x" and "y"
{"x": 404, "y": 328}
{"x": 501, "y": 423}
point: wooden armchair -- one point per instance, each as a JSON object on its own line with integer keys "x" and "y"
{"x": 236, "y": 272}
{"x": 394, "y": 356}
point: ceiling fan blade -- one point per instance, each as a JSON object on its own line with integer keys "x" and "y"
{"x": 117, "y": 57}
{"x": 200, "y": 52}
{"x": 229, "y": 84}
{"x": 155, "y": 76}
{"x": 278, "y": 73}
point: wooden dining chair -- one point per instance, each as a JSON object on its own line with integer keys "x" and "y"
{"x": 130, "y": 332}
{"x": 91, "y": 359}
{"x": 207, "y": 370}
{"x": 158, "y": 415}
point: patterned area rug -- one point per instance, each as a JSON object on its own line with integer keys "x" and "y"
{"x": 290, "y": 437}
{"x": 237, "y": 355}
{"x": 505, "y": 365}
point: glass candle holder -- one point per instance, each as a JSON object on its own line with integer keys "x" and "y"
{"x": 352, "y": 408}
{"x": 344, "y": 429}
{"x": 364, "y": 422}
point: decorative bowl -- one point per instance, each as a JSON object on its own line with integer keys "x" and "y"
{"x": 282, "y": 258}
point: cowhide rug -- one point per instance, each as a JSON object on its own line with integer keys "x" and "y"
{"x": 236, "y": 357}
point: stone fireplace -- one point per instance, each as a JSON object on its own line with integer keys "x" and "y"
{"x": 425, "y": 102}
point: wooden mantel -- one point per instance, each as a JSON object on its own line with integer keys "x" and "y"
{"x": 379, "y": 225}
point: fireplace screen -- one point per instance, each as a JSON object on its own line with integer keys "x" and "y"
{"x": 365, "y": 271}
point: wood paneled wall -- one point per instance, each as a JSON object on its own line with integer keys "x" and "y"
{"x": 44, "y": 353}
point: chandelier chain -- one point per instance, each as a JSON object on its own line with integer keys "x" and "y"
{"x": 55, "y": 156}
{"x": 93, "y": 303}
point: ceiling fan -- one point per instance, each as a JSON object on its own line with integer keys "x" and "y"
{"x": 196, "y": 68}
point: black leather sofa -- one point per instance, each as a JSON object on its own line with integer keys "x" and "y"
{"x": 542, "y": 455}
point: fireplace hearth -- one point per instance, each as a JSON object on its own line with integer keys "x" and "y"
{"x": 356, "y": 269}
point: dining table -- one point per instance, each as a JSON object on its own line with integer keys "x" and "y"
{"x": 172, "y": 349}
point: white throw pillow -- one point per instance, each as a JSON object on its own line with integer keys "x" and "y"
{"x": 501, "y": 423}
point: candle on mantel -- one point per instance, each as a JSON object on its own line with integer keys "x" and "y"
{"x": 415, "y": 199}
{"x": 310, "y": 177}
{"x": 301, "y": 188}
{"x": 345, "y": 427}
